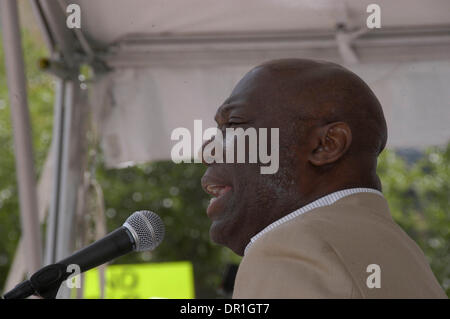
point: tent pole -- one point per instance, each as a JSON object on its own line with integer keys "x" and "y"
{"x": 17, "y": 270}
{"x": 58, "y": 130}
{"x": 66, "y": 189}
{"x": 46, "y": 34}
{"x": 73, "y": 164}
{"x": 68, "y": 186}
{"x": 22, "y": 133}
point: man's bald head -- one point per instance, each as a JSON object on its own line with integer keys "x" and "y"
{"x": 331, "y": 130}
{"x": 326, "y": 91}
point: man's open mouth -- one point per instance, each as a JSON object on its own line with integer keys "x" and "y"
{"x": 218, "y": 200}
{"x": 220, "y": 194}
{"x": 217, "y": 191}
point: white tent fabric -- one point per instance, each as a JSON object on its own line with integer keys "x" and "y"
{"x": 137, "y": 109}
{"x": 176, "y": 61}
{"x": 107, "y": 21}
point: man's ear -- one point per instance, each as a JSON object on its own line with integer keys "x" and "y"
{"x": 330, "y": 142}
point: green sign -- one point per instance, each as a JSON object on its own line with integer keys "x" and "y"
{"x": 142, "y": 281}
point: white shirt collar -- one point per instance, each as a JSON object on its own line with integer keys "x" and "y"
{"x": 323, "y": 201}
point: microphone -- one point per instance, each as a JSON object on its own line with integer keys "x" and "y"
{"x": 143, "y": 230}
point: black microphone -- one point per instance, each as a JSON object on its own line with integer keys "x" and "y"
{"x": 143, "y": 230}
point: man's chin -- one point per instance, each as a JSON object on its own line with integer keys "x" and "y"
{"x": 220, "y": 236}
{"x": 216, "y": 232}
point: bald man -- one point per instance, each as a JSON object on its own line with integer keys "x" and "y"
{"x": 319, "y": 227}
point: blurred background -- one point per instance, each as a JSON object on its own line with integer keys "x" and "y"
{"x": 143, "y": 68}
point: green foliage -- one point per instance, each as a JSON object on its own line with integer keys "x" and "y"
{"x": 419, "y": 201}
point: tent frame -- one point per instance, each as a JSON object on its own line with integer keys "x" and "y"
{"x": 66, "y": 57}
{"x": 22, "y": 133}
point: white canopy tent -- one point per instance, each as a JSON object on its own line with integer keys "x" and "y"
{"x": 177, "y": 61}
{"x": 161, "y": 64}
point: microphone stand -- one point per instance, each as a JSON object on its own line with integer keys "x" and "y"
{"x": 44, "y": 283}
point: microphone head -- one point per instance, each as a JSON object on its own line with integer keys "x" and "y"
{"x": 147, "y": 229}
